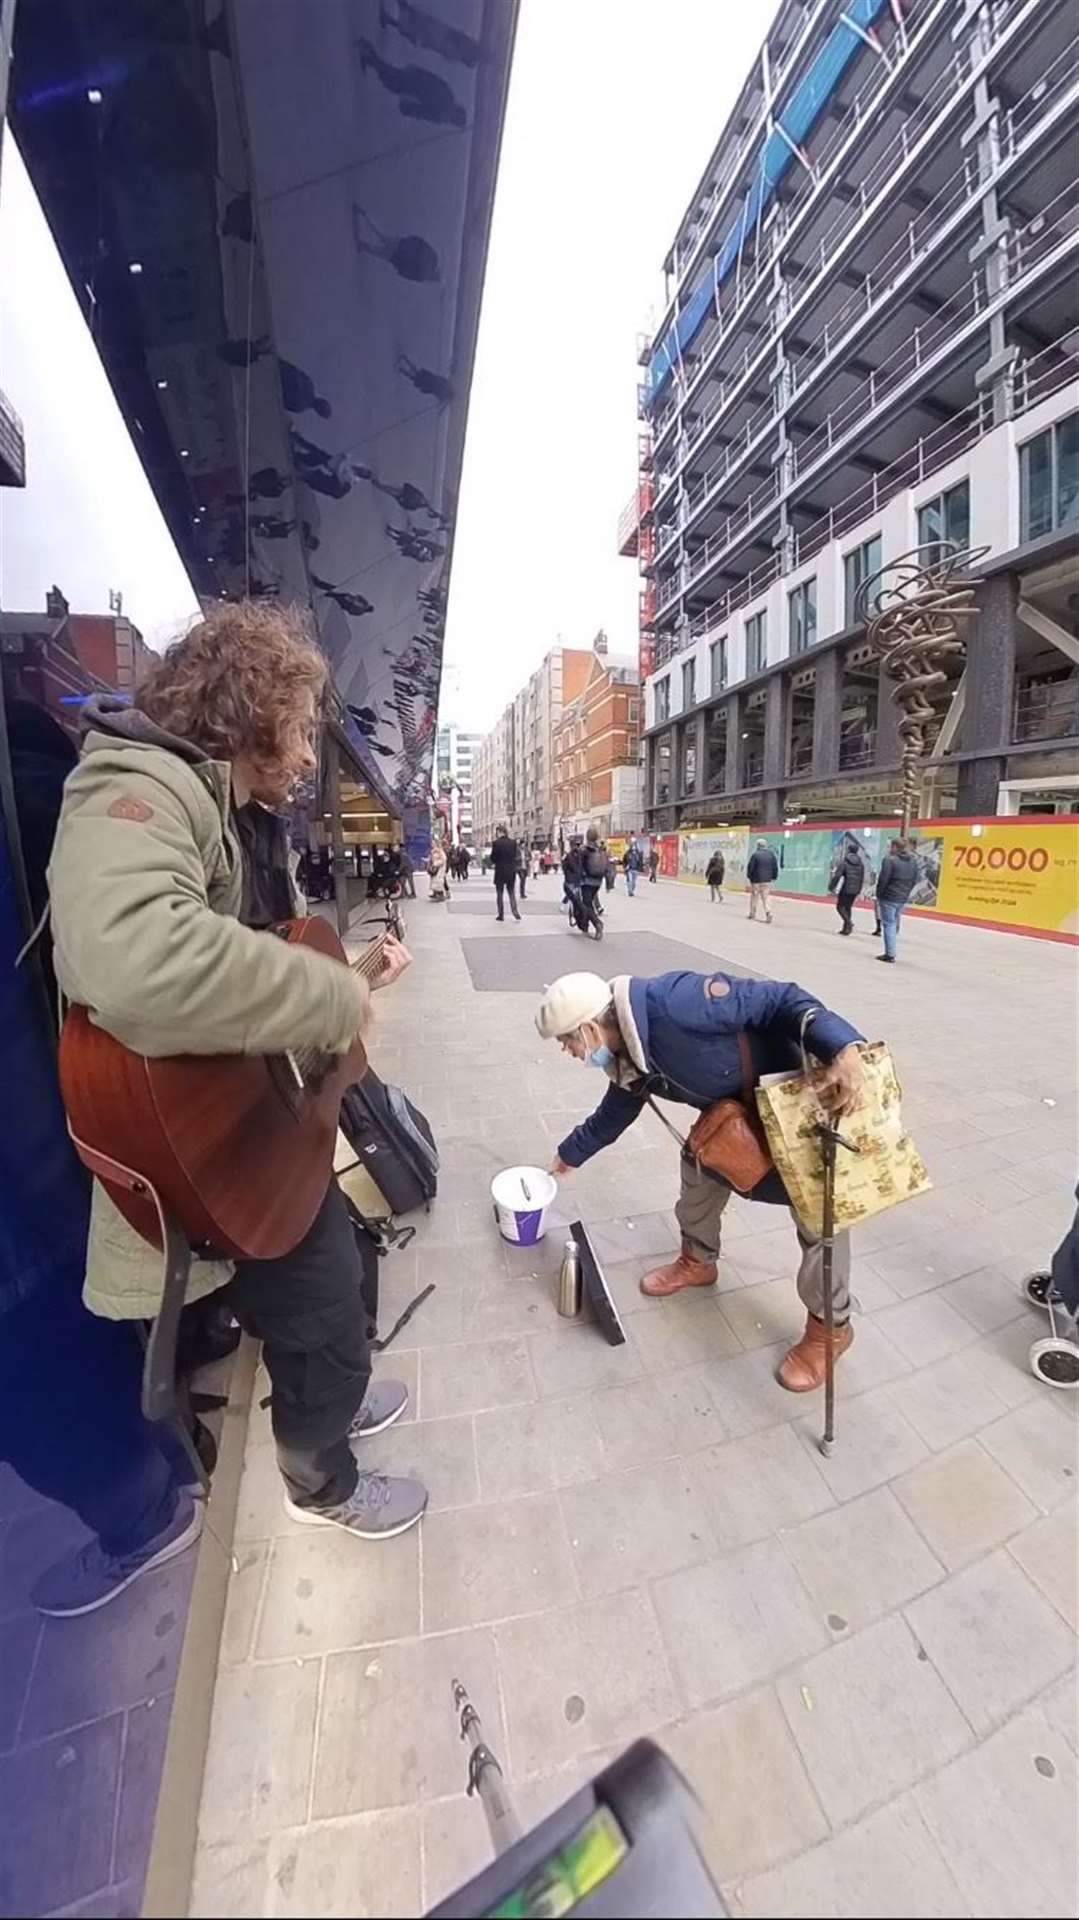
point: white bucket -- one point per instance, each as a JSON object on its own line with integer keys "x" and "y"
{"x": 522, "y": 1196}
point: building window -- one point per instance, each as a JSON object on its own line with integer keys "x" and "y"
{"x": 688, "y": 769}
{"x": 858, "y": 566}
{"x": 715, "y": 751}
{"x": 946, "y": 517}
{"x": 757, "y": 642}
{"x": 662, "y": 786}
{"x": 1049, "y": 479}
{"x": 803, "y": 616}
{"x": 689, "y": 685}
{"x": 634, "y": 713}
{"x": 663, "y": 699}
{"x": 718, "y": 655}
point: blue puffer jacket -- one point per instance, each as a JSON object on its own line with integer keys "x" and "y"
{"x": 684, "y": 1042}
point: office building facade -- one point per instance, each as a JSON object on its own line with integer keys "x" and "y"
{"x": 869, "y": 346}
{"x": 454, "y": 760}
{"x": 513, "y": 780}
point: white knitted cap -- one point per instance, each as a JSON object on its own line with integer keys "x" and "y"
{"x": 569, "y": 1001}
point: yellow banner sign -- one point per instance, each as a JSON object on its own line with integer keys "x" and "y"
{"x": 1009, "y": 874}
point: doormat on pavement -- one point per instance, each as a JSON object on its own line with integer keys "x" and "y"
{"x": 485, "y": 903}
{"x": 519, "y": 963}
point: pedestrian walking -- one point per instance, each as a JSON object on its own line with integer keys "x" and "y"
{"x": 846, "y": 881}
{"x": 612, "y": 870}
{"x": 522, "y": 869}
{"x": 714, "y": 874}
{"x": 653, "y": 864}
{"x": 504, "y": 858}
{"x": 633, "y": 863}
{"x": 464, "y": 861}
{"x": 438, "y": 873}
{"x": 761, "y": 872}
{"x": 895, "y": 884}
{"x": 408, "y": 874}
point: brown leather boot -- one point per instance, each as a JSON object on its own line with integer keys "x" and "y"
{"x": 802, "y": 1368}
{"x": 686, "y": 1271}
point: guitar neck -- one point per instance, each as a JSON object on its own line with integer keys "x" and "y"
{"x": 369, "y": 962}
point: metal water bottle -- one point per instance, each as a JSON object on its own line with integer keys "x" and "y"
{"x": 569, "y": 1282}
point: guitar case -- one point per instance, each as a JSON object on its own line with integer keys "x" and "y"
{"x": 393, "y": 1143}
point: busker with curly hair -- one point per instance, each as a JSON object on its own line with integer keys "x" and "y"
{"x": 169, "y": 865}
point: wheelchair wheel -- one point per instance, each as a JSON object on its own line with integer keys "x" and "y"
{"x": 1056, "y": 1362}
{"x": 1036, "y": 1289}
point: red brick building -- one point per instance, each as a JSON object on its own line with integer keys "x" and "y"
{"x": 596, "y": 749}
{"x": 55, "y": 658}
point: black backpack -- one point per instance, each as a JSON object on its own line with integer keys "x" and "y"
{"x": 595, "y": 863}
{"x": 393, "y": 1140}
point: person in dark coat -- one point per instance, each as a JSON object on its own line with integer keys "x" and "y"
{"x": 522, "y": 868}
{"x": 762, "y": 870}
{"x": 699, "y": 1038}
{"x": 653, "y": 864}
{"x": 504, "y": 859}
{"x": 846, "y": 881}
{"x": 714, "y": 874}
{"x": 895, "y": 884}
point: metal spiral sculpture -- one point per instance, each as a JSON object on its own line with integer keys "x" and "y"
{"x": 914, "y": 609}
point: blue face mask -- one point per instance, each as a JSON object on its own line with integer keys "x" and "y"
{"x": 601, "y": 1057}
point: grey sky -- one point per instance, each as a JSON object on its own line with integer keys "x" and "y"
{"x": 614, "y": 108}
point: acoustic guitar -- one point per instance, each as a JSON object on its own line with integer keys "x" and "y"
{"x": 234, "y": 1150}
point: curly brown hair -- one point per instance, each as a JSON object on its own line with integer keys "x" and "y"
{"x": 231, "y": 684}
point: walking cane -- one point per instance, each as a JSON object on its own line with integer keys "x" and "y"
{"x": 830, "y": 1140}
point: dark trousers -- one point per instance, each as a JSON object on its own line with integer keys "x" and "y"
{"x": 308, "y": 1311}
{"x": 521, "y": 879}
{"x": 844, "y": 906}
{"x": 502, "y": 887}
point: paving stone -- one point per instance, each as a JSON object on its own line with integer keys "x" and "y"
{"x": 246, "y": 1579}
{"x": 367, "y": 1865}
{"x": 734, "y": 1621}
{"x": 321, "y": 1593}
{"x": 888, "y": 1865}
{"x": 873, "y": 1442}
{"x": 946, "y": 1402}
{"x": 986, "y": 1299}
{"x": 765, "y": 1313}
{"x": 59, "y": 1797}
{"x": 653, "y": 1418}
{"x": 963, "y": 1503}
{"x": 870, "y": 1718}
{"x": 482, "y": 1373}
{"x": 581, "y": 1677}
{"x": 441, "y": 1453}
{"x": 690, "y": 1328}
{"x": 768, "y": 1252}
{"x": 1039, "y": 1446}
{"x": 758, "y": 1486}
{"x": 533, "y": 1449}
{"x": 1049, "y": 1552}
{"x": 747, "y": 1395}
{"x": 258, "y": 1762}
{"x": 992, "y": 1637}
{"x": 636, "y": 1235}
{"x": 1004, "y": 1820}
{"x": 631, "y": 1527}
{"x": 1060, "y": 1705}
{"x": 1003, "y": 1358}
{"x": 456, "y": 1845}
{"x": 748, "y": 1775}
{"x": 926, "y": 1329}
{"x": 576, "y": 1359}
{"x": 116, "y": 1657}
{"x": 862, "y": 1560}
{"x": 493, "y": 1562}
{"x": 919, "y": 1265}
{"x": 383, "y": 1739}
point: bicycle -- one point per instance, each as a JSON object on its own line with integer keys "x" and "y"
{"x": 584, "y": 912}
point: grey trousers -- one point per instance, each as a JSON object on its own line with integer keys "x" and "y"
{"x": 700, "y": 1215}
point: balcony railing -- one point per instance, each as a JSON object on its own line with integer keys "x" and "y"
{"x": 800, "y": 757}
{"x": 1046, "y": 709}
{"x": 752, "y": 769}
{"x": 1034, "y": 379}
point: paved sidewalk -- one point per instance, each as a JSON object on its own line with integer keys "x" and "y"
{"x": 865, "y": 1664}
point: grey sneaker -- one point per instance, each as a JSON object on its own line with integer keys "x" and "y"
{"x": 90, "y": 1577}
{"x": 384, "y": 1402}
{"x": 378, "y": 1508}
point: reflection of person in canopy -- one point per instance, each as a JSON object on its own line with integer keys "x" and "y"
{"x": 421, "y": 94}
{"x": 411, "y": 257}
{"x": 424, "y": 379}
{"x": 434, "y": 36}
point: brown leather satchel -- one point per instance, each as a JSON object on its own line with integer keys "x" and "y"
{"x": 728, "y": 1139}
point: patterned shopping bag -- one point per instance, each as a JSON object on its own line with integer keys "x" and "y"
{"x": 885, "y": 1169}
